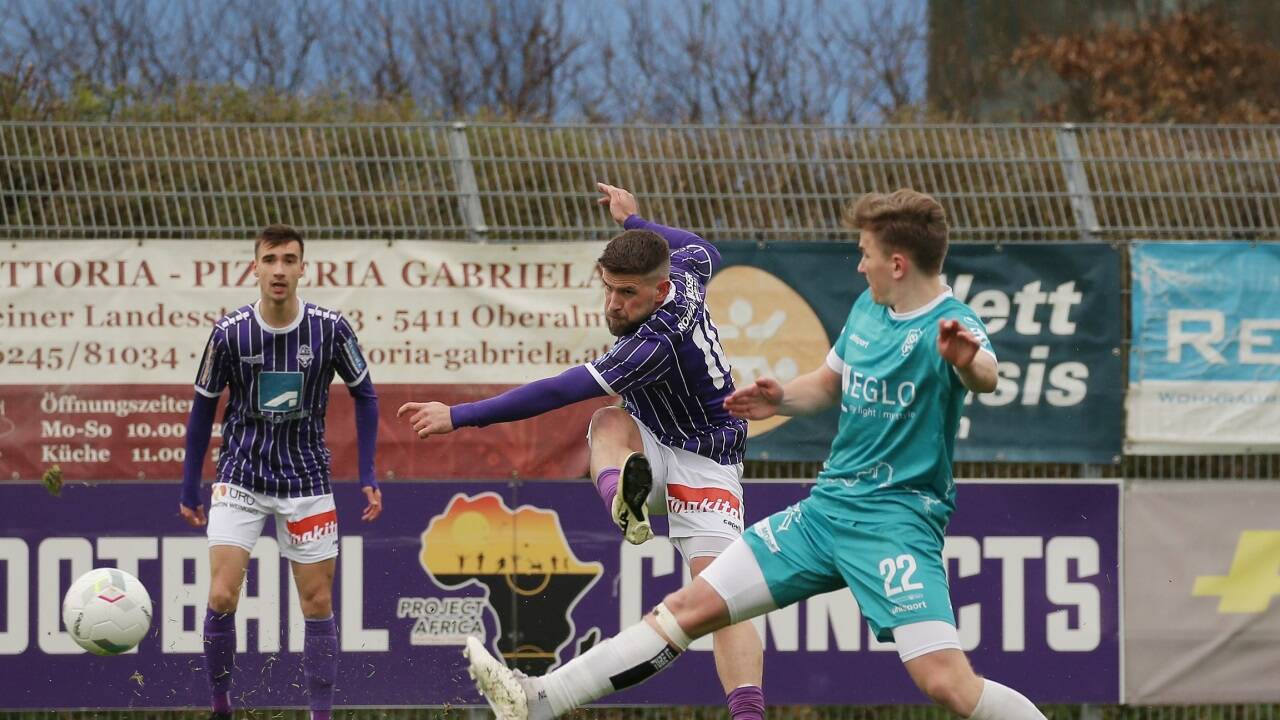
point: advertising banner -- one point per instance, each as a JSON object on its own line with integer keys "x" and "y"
{"x": 1204, "y": 375}
{"x": 1051, "y": 311}
{"x": 538, "y": 570}
{"x": 1202, "y": 592}
{"x": 102, "y": 341}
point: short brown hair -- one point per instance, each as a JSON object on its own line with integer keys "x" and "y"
{"x": 635, "y": 252}
{"x": 277, "y": 234}
{"x": 907, "y": 221}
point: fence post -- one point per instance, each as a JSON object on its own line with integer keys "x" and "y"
{"x": 1077, "y": 183}
{"x": 468, "y": 191}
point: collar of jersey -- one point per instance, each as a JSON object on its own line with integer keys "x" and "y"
{"x": 302, "y": 310}
{"x": 946, "y": 293}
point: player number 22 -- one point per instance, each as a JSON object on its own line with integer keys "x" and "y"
{"x": 889, "y": 567}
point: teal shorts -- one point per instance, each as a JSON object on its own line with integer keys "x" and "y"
{"x": 893, "y": 565}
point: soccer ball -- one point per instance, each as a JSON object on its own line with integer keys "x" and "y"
{"x": 107, "y": 611}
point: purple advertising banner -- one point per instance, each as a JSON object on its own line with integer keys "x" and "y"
{"x": 539, "y": 571}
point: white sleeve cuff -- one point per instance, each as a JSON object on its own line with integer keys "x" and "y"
{"x": 206, "y": 393}
{"x": 835, "y": 362}
{"x": 599, "y": 378}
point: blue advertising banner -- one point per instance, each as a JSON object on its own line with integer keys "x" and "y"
{"x": 539, "y": 571}
{"x": 1204, "y": 376}
{"x": 1052, "y": 312}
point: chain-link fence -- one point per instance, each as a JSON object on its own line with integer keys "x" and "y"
{"x": 535, "y": 182}
{"x": 528, "y": 183}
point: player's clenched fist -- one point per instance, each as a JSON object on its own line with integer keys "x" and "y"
{"x": 757, "y": 401}
{"x": 427, "y": 418}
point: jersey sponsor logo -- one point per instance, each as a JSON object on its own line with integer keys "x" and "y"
{"x": 279, "y": 391}
{"x": 913, "y": 337}
{"x": 311, "y": 528}
{"x": 305, "y": 356}
{"x": 206, "y": 367}
{"x": 764, "y": 532}
{"x": 354, "y": 357}
{"x": 1253, "y": 578}
{"x": 251, "y": 359}
{"x": 471, "y": 548}
{"x": 685, "y": 499}
{"x": 872, "y": 389}
{"x": 859, "y": 340}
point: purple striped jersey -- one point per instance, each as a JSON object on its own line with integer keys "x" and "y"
{"x": 273, "y": 427}
{"x": 672, "y": 373}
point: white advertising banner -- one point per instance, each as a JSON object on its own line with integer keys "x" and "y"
{"x": 1204, "y": 375}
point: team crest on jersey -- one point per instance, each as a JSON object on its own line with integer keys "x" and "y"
{"x": 304, "y": 356}
{"x": 913, "y": 337}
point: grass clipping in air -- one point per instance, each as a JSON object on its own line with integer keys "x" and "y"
{"x": 52, "y": 480}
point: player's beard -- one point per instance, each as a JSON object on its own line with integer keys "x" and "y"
{"x": 620, "y": 327}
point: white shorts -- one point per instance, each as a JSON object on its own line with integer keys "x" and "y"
{"x": 306, "y": 527}
{"x": 701, "y": 498}
{"x": 737, "y": 579}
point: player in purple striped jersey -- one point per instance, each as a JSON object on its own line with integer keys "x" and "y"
{"x": 672, "y": 446}
{"x": 278, "y": 357}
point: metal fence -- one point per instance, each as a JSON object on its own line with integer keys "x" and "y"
{"x": 527, "y": 183}
{"x": 504, "y": 182}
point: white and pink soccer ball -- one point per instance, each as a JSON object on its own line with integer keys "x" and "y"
{"x": 107, "y": 611}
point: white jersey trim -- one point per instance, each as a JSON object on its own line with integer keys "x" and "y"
{"x": 359, "y": 378}
{"x": 206, "y": 393}
{"x": 835, "y": 362}
{"x": 267, "y": 328}
{"x": 946, "y": 293}
{"x": 599, "y": 379}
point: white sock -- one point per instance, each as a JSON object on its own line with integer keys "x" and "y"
{"x": 589, "y": 676}
{"x": 998, "y": 702}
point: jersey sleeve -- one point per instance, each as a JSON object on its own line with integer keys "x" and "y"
{"x": 697, "y": 259}
{"x": 215, "y": 366}
{"x": 835, "y": 357}
{"x": 634, "y": 362}
{"x": 349, "y": 361}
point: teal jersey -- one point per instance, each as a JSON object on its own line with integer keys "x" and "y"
{"x": 900, "y": 407}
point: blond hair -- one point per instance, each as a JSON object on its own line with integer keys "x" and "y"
{"x": 907, "y": 221}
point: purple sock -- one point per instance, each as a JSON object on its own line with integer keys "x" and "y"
{"x": 220, "y": 655}
{"x": 320, "y": 664}
{"x": 607, "y": 484}
{"x": 746, "y": 703}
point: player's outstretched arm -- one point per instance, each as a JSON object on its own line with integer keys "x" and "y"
{"x": 805, "y": 395}
{"x": 625, "y": 210}
{"x": 199, "y": 429}
{"x": 366, "y": 402}
{"x": 958, "y": 346}
{"x": 540, "y": 396}
{"x": 427, "y": 418}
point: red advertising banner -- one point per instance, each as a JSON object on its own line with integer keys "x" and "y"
{"x": 102, "y": 340}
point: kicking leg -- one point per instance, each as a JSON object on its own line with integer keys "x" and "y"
{"x": 723, "y": 593}
{"x": 931, "y": 653}
{"x": 622, "y": 473}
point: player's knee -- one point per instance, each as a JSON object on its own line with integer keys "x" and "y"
{"x": 317, "y": 603}
{"x": 611, "y": 421}
{"x": 695, "y": 616}
{"x": 223, "y": 600}
{"x": 946, "y": 689}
